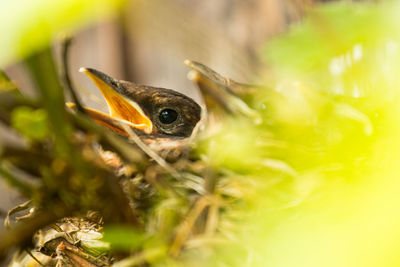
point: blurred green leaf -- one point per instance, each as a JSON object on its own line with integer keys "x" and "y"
{"x": 31, "y": 123}
{"x": 123, "y": 237}
{"x": 335, "y": 114}
{"x": 329, "y": 31}
{"x": 28, "y": 26}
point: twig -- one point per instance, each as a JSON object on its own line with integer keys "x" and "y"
{"x": 43, "y": 70}
{"x": 212, "y": 219}
{"x": 210, "y": 180}
{"x": 160, "y": 161}
{"x": 33, "y": 257}
{"x": 65, "y": 75}
{"x": 75, "y": 255}
{"x": 14, "y": 210}
{"x": 186, "y": 226}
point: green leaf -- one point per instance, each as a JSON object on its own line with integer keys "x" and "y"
{"x": 123, "y": 237}
{"x": 27, "y": 26}
{"x": 30, "y": 123}
{"x": 329, "y": 31}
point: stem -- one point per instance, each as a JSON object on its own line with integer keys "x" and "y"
{"x": 65, "y": 75}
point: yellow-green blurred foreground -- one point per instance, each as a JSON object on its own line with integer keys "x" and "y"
{"x": 329, "y": 192}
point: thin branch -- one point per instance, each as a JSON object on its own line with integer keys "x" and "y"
{"x": 186, "y": 226}
{"x": 65, "y": 75}
{"x": 212, "y": 219}
{"x": 152, "y": 154}
{"x": 33, "y": 257}
{"x": 43, "y": 70}
{"x": 21, "y": 207}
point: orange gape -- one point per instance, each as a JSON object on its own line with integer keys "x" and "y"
{"x": 120, "y": 108}
{"x": 111, "y": 127}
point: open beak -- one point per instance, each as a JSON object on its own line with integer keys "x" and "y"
{"x": 121, "y": 108}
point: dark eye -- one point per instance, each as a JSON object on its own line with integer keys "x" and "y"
{"x": 168, "y": 116}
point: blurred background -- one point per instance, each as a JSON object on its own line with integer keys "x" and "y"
{"x": 149, "y": 41}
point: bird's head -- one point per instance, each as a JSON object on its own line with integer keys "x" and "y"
{"x": 148, "y": 110}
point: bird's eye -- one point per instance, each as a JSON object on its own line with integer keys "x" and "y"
{"x": 168, "y": 116}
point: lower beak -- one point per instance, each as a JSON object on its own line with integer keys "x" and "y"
{"x": 121, "y": 109}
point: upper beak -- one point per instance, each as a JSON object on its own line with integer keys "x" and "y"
{"x": 121, "y": 108}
